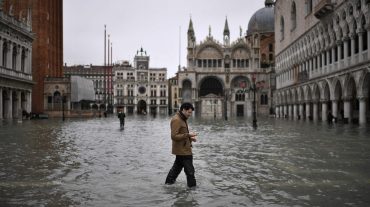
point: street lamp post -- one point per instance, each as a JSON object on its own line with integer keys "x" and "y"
{"x": 254, "y": 102}
{"x": 63, "y": 99}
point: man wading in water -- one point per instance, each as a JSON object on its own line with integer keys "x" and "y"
{"x": 181, "y": 146}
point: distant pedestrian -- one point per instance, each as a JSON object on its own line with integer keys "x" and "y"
{"x": 330, "y": 117}
{"x": 121, "y": 117}
{"x": 182, "y": 146}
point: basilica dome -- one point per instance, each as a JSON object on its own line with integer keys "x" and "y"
{"x": 263, "y": 20}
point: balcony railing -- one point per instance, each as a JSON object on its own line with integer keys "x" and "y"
{"x": 323, "y": 8}
{"x": 15, "y": 74}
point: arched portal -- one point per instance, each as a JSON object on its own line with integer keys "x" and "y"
{"x": 211, "y": 85}
{"x": 186, "y": 91}
{"x": 141, "y": 107}
{"x": 338, "y": 103}
{"x": 351, "y": 106}
{"x": 211, "y": 98}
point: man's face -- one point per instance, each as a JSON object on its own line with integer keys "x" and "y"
{"x": 187, "y": 113}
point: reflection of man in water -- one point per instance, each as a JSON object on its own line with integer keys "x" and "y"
{"x": 121, "y": 117}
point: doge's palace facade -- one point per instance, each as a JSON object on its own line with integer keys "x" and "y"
{"x": 323, "y": 59}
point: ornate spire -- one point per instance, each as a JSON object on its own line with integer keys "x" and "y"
{"x": 226, "y": 28}
{"x": 190, "y": 29}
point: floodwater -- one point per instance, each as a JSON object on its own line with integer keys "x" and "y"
{"x": 92, "y": 162}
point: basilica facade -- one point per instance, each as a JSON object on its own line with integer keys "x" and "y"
{"x": 224, "y": 79}
{"x": 323, "y": 59}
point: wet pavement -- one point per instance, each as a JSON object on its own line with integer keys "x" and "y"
{"x": 92, "y": 162}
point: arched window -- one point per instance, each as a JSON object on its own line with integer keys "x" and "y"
{"x": 364, "y": 34}
{"x": 23, "y": 61}
{"x": 282, "y": 27}
{"x": 293, "y": 14}
{"x": 14, "y": 58}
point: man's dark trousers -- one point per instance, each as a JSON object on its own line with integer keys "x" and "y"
{"x": 186, "y": 162}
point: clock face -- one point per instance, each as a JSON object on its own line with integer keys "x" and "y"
{"x": 142, "y": 89}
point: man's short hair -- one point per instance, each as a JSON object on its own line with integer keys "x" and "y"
{"x": 186, "y": 106}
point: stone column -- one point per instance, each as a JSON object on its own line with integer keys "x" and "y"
{"x": 29, "y": 102}
{"x": 301, "y": 110}
{"x": 286, "y": 111}
{"x": 295, "y": 111}
{"x": 9, "y": 63}
{"x": 347, "y": 111}
{"x": 324, "y": 114}
{"x": 290, "y": 111}
{"x": 276, "y": 111}
{"x": 363, "y": 110}
{"x": 307, "y": 110}
{"x": 327, "y": 57}
{"x": 360, "y": 42}
{"x": 334, "y": 107}
{"x": 315, "y": 111}
{"x": 345, "y": 42}
{"x": 333, "y": 56}
{"x": 353, "y": 44}
{"x": 322, "y": 63}
{"x": 339, "y": 51}
{"x": 18, "y": 59}
{"x": 1, "y": 96}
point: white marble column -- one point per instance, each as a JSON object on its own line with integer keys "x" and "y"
{"x": 353, "y": 44}
{"x": 345, "y": 42}
{"x": 334, "y": 107}
{"x": 276, "y": 112}
{"x": 324, "y": 114}
{"x": 363, "y": 110}
{"x": 347, "y": 110}
{"x": 290, "y": 115}
{"x": 339, "y": 52}
{"x": 1, "y": 100}
{"x": 295, "y": 111}
{"x": 360, "y": 43}
{"x": 315, "y": 111}
{"x": 308, "y": 111}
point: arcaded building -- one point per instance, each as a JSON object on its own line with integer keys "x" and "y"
{"x": 219, "y": 76}
{"x": 322, "y": 59}
{"x": 15, "y": 65}
{"x": 47, "y": 48}
{"x": 140, "y": 89}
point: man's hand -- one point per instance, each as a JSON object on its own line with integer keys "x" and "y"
{"x": 193, "y": 136}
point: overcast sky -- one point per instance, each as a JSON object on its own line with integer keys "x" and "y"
{"x": 153, "y": 24}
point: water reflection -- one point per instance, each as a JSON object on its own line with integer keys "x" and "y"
{"x": 95, "y": 163}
